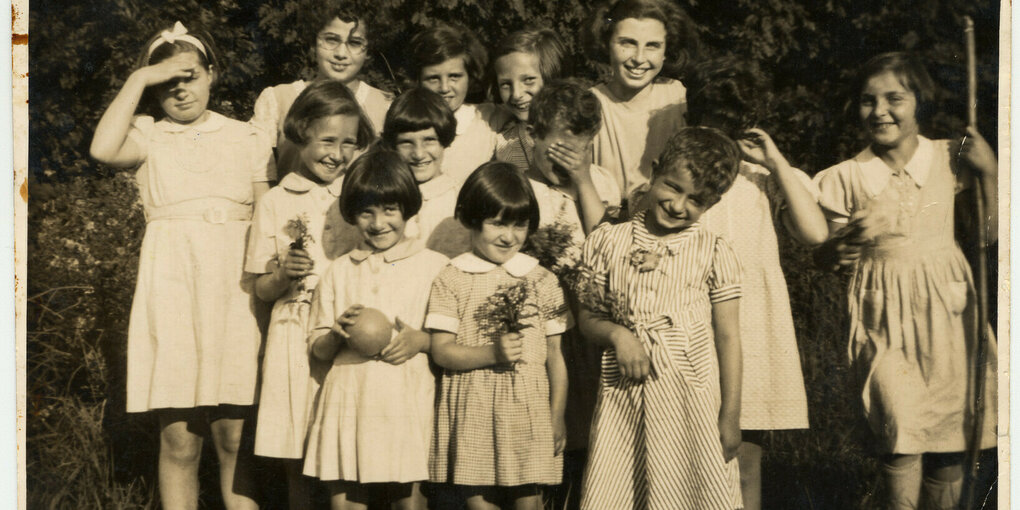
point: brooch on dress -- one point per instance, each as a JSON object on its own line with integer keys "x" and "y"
{"x": 644, "y": 259}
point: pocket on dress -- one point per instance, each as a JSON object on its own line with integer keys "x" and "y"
{"x": 872, "y": 308}
{"x": 956, "y": 297}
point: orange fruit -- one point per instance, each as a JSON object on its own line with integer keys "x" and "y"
{"x": 370, "y": 332}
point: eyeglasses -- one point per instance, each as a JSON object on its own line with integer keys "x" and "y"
{"x": 355, "y": 45}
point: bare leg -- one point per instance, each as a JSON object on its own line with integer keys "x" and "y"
{"x": 180, "y": 451}
{"x": 299, "y": 487}
{"x": 414, "y": 501}
{"x": 749, "y": 457}
{"x": 482, "y": 498}
{"x": 943, "y": 481}
{"x": 347, "y": 496}
{"x": 226, "y": 434}
{"x": 532, "y": 502}
{"x": 903, "y": 481}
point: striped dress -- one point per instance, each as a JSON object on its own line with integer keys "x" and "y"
{"x": 655, "y": 445}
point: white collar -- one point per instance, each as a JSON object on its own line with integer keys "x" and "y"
{"x": 877, "y": 172}
{"x": 298, "y": 183}
{"x": 518, "y": 266}
{"x": 465, "y": 116}
{"x": 436, "y": 186}
{"x": 405, "y": 248}
{"x": 213, "y": 122}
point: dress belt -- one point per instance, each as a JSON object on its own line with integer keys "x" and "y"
{"x": 210, "y": 211}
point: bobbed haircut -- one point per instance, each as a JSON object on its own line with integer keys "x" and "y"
{"x": 565, "y": 104}
{"x": 712, "y": 159}
{"x": 321, "y": 99}
{"x": 681, "y": 32}
{"x": 416, "y": 110}
{"x": 911, "y": 73}
{"x": 496, "y": 190}
{"x": 314, "y": 15}
{"x": 209, "y": 60}
{"x": 443, "y": 42}
{"x": 379, "y": 177}
{"x": 541, "y": 42}
{"x": 728, "y": 93}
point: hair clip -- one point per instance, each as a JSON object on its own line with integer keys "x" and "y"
{"x": 178, "y": 33}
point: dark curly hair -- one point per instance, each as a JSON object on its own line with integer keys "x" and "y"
{"x": 681, "y": 32}
{"x": 728, "y": 93}
{"x": 912, "y": 74}
{"x": 711, "y": 157}
{"x": 445, "y": 41}
{"x": 323, "y": 99}
{"x": 314, "y": 15}
{"x": 566, "y": 104}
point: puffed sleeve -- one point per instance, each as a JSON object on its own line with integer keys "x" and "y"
{"x": 442, "y": 314}
{"x": 724, "y": 278}
{"x": 261, "y": 157}
{"x": 323, "y": 311}
{"x": 834, "y": 194}
{"x": 140, "y": 132}
{"x": 262, "y": 256}
{"x": 553, "y": 305}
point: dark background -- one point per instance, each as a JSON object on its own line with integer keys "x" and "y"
{"x": 85, "y": 223}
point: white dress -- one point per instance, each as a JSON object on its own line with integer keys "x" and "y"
{"x": 478, "y": 128}
{"x": 287, "y": 389}
{"x": 272, "y": 106}
{"x": 193, "y": 339}
{"x": 373, "y": 420}
{"x": 772, "y": 395}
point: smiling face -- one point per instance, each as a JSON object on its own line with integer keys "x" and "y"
{"x": 382, "y": 226}
{"x": 331, "y": 142}
{"x": 674, "y": 203}
{"x": 553, "y": 172}
{"x": 449, "y": 79}
{"x": 637, "y": 50}
{"x": 518, "y": 79}
{"x": 340, "y": 50}
{"x": 185, "y": 100}
{"x": 498, "y": 241}
{"x": 888, "y": 110}
{"x": 422, "y": 152}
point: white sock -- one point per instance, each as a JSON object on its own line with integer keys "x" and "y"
{"x": 940, "y": 495}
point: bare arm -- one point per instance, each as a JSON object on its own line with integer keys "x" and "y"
{"x": 578, "y": 165}
{"x": 556, "y": 368}
{"x": 295, "y": 264}
{"x": 726, "y": 323}
{"x": 630, "y": 353}
{"x": 449, "y": 354}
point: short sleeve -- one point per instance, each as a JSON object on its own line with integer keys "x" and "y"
{"x": 724, "y": 277}
{"x": 140, "y": 132}
{"x": 266, "y": 120}
{"x": 323, "y": 315}
{"x": 261, "y": 157}
{"x": 442, "y": 312}
{"x": 605, "y": 186}
{"x": 834, "y": 194}
{"x": 553, "y": 305}
{"x": 262, "y": 256}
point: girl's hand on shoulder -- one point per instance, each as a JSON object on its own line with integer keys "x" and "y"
{"x": 976, "y": 153}
{"x": 297, "y": 264}
{"x": 631, "y": 356}
{"x": 559, "y": 426}
{"x": 510, "y": 347}
{"x": 729, "y": 436}
{"x": 577, "y": 164}
{"x": 405, "y": 345}
{"x": 348, "y": 318}
{"x": 176, "y": 67}
{"x": 758, "y": 148}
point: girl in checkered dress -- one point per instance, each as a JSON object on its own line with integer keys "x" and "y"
{"x": 500, "y": 429}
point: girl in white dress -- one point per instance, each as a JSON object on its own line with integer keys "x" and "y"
{"x": 451, "y": 62}
{"x": 291, "y": 243}
{"x": 193, "y": 341}
{"x": 340, "y": 40}
{"x": 646, "y": 44}
{"x": 373, "y": 417}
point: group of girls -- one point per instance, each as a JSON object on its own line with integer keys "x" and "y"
{"x": 684, "y": 348}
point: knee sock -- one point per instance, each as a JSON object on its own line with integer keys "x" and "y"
{"x": 941, "y": 495}
{"x": 903, "y": 484}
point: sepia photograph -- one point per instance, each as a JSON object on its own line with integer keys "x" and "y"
{"x": 519, "y": 254}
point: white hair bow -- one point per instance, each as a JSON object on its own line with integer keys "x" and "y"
{"x": 178, "y": 33}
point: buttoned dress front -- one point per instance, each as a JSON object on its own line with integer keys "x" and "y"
{"x": 655, "y": 444}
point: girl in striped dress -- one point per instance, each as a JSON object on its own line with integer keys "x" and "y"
{"x": 664, "y": 301}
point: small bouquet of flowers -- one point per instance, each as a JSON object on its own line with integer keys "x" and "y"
{"x": 506, "y": 310}
{"x": 554, "y": 247}
{"x": 297, "y": 229}
{"x": 599, "y": 300}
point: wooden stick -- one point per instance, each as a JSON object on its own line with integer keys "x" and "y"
{"x": 979, "y": 354}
